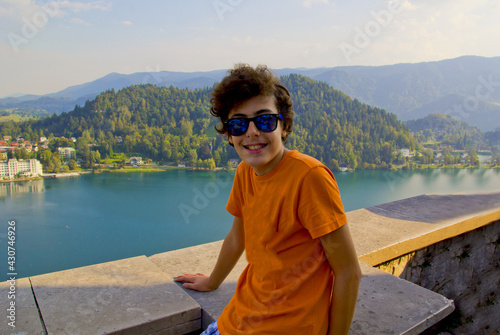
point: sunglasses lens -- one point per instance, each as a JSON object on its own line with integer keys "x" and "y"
{"x": 237, "y": 127}
{"x": 266, "y": 123}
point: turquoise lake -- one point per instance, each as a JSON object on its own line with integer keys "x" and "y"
{"x": 72, "y": 222}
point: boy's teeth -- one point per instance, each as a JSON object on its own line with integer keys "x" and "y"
{"x": 255, "y": 147}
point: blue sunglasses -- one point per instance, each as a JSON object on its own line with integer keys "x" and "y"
{"x": 266, "y": 123}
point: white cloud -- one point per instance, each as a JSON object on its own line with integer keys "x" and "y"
{"x": 18, "y": 9}
{"x": 309, "y": 3}
{"x": 15, "y": 2}
{"x": 84, "y": 6}
{"x": 3, "y": 11}
{"x": 126, "y": 23}
{"x": 405, "y": 4}
{"x": 426, "y": 30}
{"x": 79, "y": 21}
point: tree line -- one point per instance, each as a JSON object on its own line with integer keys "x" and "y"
{"x": 448, "y": 131}
{"x": 168, "y": 124}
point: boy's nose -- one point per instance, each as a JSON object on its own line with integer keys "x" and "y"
{"x": 252, "y": 129}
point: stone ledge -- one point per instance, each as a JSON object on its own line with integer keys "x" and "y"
{"x": 388, "y": 231}
{"x": 130, "y": 296}
{"x": 138, "y": 295}
{"x": 389, "y": 305}
{"x": 201, "y": 258}
{"x": 27, "y": 320}
{"x": 417, "y": 307}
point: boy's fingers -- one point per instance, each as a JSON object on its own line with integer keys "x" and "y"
{"x": 188, "y": 277}
{"x": 187, "y": 285}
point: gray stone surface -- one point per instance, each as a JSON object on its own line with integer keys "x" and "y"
{"x": 138, "y": 295}
{"x": 386, "y": 304}
{"x": 27, "y": 320}
{"x": 390, "y": 230}
{"x": 451, "y": 207}
{"x": 130, "y": 296}
{"x": 389, "y": 305}
{"x": 185, "y": 328}
{"x": 464, "y": 268}
{"x": 202, "y": 258}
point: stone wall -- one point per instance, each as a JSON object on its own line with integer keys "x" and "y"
{"x": 444, "y": 243}
{"x": 465, "y": 268}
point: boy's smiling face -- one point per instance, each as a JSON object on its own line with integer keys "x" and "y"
{"x": 262, "y": 151}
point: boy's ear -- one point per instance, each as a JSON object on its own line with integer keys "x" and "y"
{"x": 230, "y": 139}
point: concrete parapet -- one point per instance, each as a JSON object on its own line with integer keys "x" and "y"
{"x": 201, "y": 258}
{"x": 19, "y": 308}
{"x": 130, "y": 296}
{"x": 393, "y": 229}
{"x": 138, "y": 295}
{"x": 389, "y": 305}
{"x": 386, "y": 304}
{"x": 465, "y": 268}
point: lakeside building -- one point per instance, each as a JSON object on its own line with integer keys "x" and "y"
{"x": 67, "y": 153}
{"x": 234, "y": 162}
{"x": 135, "y": 161}
{"x": 23, "y": 168}
{"x": 405, "y": 152}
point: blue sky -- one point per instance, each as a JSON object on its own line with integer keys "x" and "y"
{"x": 46, "y": 46}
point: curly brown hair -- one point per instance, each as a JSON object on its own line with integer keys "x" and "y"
{"x": 243, "y": 83}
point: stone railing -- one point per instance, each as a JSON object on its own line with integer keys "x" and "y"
{"x": 138, "y": 295}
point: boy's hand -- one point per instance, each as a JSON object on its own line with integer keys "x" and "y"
{"x": 197, "y": 282}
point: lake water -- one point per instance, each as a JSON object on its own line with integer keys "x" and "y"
{"x": 73, "y": 222}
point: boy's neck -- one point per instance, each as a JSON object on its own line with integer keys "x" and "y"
{"x": 282, "y": 155}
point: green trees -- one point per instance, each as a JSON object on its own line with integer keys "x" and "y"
{"x": 446, "y": 130}
{"x": 22, "y": 154}
{"x": 72, "y": 164}
{"x": 93, "y": 159}
{"x": 448, "y": 158}
{"x": 192, "y": 157}
{"x": 473, "y": 158}
{"x": 427, "y": 156}
{"x": 45, "y": 156}
{"x": 332, "y": 127}
{"x": 175, "y": 125}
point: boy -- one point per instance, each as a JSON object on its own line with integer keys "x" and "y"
{"x": 303, "y": 274}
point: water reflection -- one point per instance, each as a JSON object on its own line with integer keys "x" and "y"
{"x": 451, "y": 172}
{"x": 15, "y": 188}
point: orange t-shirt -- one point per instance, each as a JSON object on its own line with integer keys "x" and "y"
{"x": 286, "y": 287}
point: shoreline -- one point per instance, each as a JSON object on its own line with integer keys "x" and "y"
{"x": 156, "y": 169}
{"x": 163, "y": 169}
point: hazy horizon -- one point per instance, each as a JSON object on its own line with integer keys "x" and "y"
{"x": 48, "y": 46}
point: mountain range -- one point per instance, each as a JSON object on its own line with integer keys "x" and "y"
{"x": 169, "y": 124}
{"x": 467, "y": 88}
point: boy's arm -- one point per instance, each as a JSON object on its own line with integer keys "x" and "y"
{"x": 231, "y": 250}
{"x": 341, "y": 255}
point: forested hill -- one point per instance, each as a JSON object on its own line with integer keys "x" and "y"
{"x": 329, "y": 125}
{"x": 170, "y": 124}
{"x": 447, "y": 130}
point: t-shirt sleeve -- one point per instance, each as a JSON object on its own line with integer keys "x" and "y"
{"x": 235, "y": 202}
{"x": 320, "y": 208}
